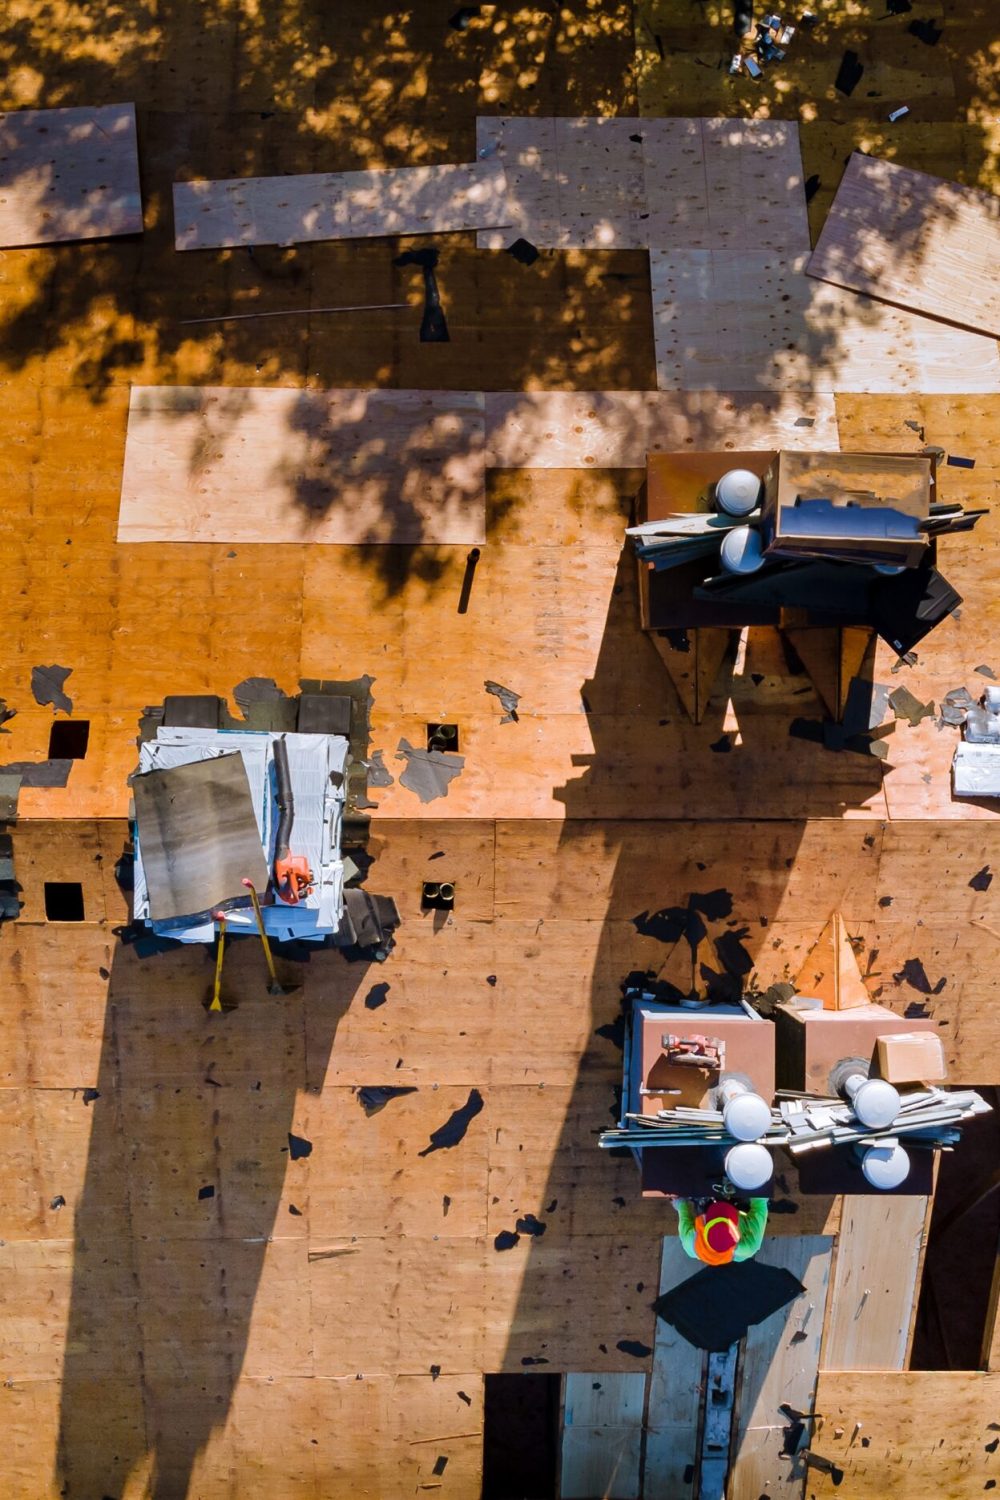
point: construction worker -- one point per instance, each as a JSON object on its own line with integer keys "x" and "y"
{"x": 716, "y": 1231}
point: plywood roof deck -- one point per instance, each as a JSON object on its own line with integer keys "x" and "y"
{"x": 158, "y": 1343}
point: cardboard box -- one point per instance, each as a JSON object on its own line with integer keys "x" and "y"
{"x": 911, "y": 1057}
{"x": 862, "y": 507}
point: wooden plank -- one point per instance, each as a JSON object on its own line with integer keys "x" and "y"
{"x": 915, "y": 240}
{"x": 339, "y": 205}
{"x": 616, "y": 429}
{"x": 68, "y": 174}
{"x": 273, "y": 465}
{"x": 602, "y": 1436}
{"x": 779, "y": 1369}
{"x": 675, "y": 1393}
{"x": 874, "y": 1283}
{"x": 756, "y": 321}
{"x": 922, "y": 1432}
{"x": 620, "y": 182}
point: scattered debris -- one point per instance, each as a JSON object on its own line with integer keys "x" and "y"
{"x": 528, "y": 1224}
{"x": 298, "y": 1147}
{"x": 524, "y": 251}
{"x": 926, "y": 31}
{"x": 508, "y": 700}
{"x": 5, "y": 714}
{"x": 897, "y": 114}
{"x": 634, "y": 1347}
{"x": 506, "y": 1240}
{"x": 57, "y": 1202}
{"x": 90, "y": 1095}
{"x": 440, "y": 1464}
{"x": 960, "y": 463}
{"x": 982, "y": 880}
{"x": 373, "y": 1098}
{"x": 376, "y": 996}
{"x": 453, "y": 1130}
{"x": 914, "y": 974}
{"x": 256, "y": 690}
{"x": 47, "y": 687}
{"x": 905, "y": 705}
{"x": 915, "y": 427}
{"x": 850, "y": 73}
{"x": 463, "y": 1397}
{"x": 206, "y": 1192}
{"x": 530, "y": 1359}
{"x": 428, "y": 772}
{"x": 378, "y": 772}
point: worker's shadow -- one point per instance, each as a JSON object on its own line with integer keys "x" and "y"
{"x": 196, "y": 1179}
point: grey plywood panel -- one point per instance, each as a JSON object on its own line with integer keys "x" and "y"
{"x": 753, "y": 320}
{"x": 198, "y": 836}
{"x": 338, "y": 205}
{"x": 602, "y": 1436}
{"x": 915, "y": 240}
{"x": 68, "y": 174}
{"x": 780, "y": 1364}
{"x": 622, "y": 183}
{"x": 874, "y": 1283}
{"x": 675, "y": 1392}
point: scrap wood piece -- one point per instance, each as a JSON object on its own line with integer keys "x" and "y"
{"x": 339, "y": 205}
{"x": 68, "y": 174}
{"x": 915, "y": 240}
{"x": 830, "y": 972}
{"x": 47, "y": 687}
{"x": 272, "y": 464}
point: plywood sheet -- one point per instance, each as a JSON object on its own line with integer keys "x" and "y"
{"x": 616, "y": 429}
{"x": 915, "y": 240}
{"x": 874, "y": 1283}
{"x": 620, "y": 183}
{"x": 339, "y": 205}
{"x": 68, "y": 174}
{"x": 198, "y": 835}
{"x": 753, "y": 320}
{"x": 675, "y": 1390}
{"x": 271, "y": 465}
{"x": 602, "y": 1436}
{"x": 780, "y": 1363}
{"x": 923, "y": 1432}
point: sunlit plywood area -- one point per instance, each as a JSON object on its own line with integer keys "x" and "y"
{"x": 289, "y": 1247}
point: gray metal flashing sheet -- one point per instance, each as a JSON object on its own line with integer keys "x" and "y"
{"x": 199, "y": 836}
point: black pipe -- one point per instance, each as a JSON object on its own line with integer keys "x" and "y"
{"x": 284, "y": 799}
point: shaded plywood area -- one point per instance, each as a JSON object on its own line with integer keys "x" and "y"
{"x": 68, "y": 174}
{"x": 627, "y": 183}
{"x": 909, "y": 238}
{"x": 345, "y": 205}
{"x": 223, "y": 465}
{"x": 757, "y": 320}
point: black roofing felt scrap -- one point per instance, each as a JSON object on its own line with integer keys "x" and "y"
{"x": 714, "y": 1308}
{"x": 506, "y": 1240}
{"x": 429, "y": 773}
{"x": 914, "y": 974}
{"x": 376, "y": 996}
{"x": 39, "y": 772}
{"x": 47, "y": 687}
{"x": 256, "y": 690}
{"x": 378, "y": 772}
{"x": 850, "y": 73}
{"x": 528, "y": 1224}
{"x": 524, "y": 251}
{"x": 452, "y": 1132}
{"x": 508, "y": 700}
{"x": 372, "y": 1098}
{"x": 298, "y": 1147}
{"x": 5, "y": 714}
{"x": 926, "y": 31}
{"x": 905, "y": 705}
{"x": 634, "y": 1347}
{"x": 982, "y": 880}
